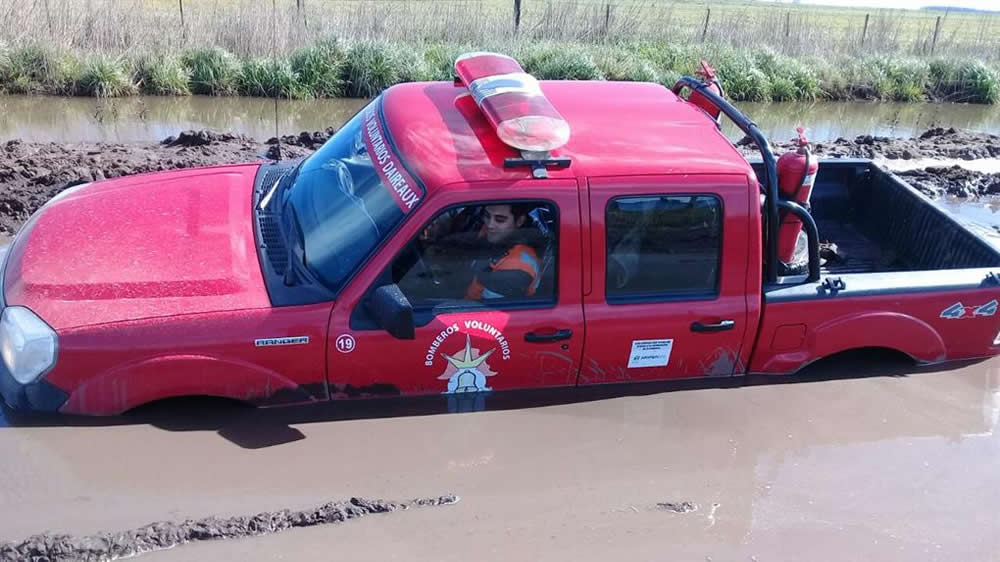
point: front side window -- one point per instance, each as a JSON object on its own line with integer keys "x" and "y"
{"x": 347, "y": 197}
{"x": 663, "y": 246}
{"x": 493, "y": 252}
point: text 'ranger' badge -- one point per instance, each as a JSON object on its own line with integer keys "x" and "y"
{"x": 268, "y": 342}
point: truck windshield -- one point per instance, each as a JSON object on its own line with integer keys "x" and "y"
{"x": 349, "y": 195}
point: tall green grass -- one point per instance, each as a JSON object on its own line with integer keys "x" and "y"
{"x": 214, "y": 71}
{"x": 269, "y": 78}
{"x": 965, "y": 81}
{"x": 319, "y": 69}
{"x": 365, "y": 68}
{"x": 163, "y": 75}
{"x": 106, "y": 77}
{"x": 369, "y": 68}
{"x": 554, "y": 61}
{"x": 37, "y": 69}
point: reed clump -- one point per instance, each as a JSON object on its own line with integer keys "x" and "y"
{"x": 332, "y": 68}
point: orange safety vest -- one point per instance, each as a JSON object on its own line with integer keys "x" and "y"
{"x": 520, "y": 257}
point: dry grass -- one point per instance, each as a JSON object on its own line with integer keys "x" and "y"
{"x": 245, "y": 27}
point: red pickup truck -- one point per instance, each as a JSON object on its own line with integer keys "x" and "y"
{"x": 489, "y": 234}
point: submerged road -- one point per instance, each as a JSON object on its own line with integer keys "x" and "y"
{"x": 891, "y": 463}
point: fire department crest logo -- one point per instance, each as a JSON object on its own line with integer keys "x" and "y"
{"x": 467, "y": 370}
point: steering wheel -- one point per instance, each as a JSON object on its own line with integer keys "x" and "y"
{"x": 425, "y": 271}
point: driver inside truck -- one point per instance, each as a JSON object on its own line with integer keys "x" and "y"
{"x": 508, "y": 266}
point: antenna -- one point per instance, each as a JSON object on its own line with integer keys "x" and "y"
{"x": 274, "y": 58}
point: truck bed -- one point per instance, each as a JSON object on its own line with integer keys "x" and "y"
{"x": 881, "y": 224}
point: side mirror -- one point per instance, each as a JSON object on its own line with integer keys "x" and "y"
{"x": 393, "y": 312}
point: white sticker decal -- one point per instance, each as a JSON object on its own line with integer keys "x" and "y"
{"x": 268, "y": 342}
{"x": 650, "y": 353}
{"x": 346, "y": 343}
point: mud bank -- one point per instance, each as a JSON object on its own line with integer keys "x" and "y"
{"x": 33, "y": 173}
{"x": 933, "y": 143}
{"x": 164, "y": 535}
{"x": 955, "y": 180}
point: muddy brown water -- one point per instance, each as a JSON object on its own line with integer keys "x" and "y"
{"x": 898, "y": 464}
{"x": 150, "y": 118}
{"x": 854, "y": 461}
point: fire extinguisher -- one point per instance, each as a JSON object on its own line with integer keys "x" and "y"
{"x": 708, "y": 75}
{"x": 796, "y": 176}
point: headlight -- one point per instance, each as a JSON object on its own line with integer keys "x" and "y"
{"x": 4, "y": 250}
{"x": 27, "y": 344}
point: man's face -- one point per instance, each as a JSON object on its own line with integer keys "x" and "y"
{"x": 500, "y": 223}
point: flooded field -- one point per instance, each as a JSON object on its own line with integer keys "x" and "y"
{"x": 879, "y": 462}
{"x": 849, "y": 461}
{"x": 151, "y": 119}
{"x": 145, "y": 119}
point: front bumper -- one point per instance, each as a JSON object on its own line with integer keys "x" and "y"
{"x": 39, "y": 396}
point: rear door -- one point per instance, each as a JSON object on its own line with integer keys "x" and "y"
{"x": 669, "y": 272}
{"x": 462, "y": 345}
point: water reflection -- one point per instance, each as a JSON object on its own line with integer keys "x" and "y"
{"x": 145, "y": 119}
{"x": 148, "y": 118}
{"x": 829, "y": 120}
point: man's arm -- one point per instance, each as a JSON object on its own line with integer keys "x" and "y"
{"x": 506, "y": 283}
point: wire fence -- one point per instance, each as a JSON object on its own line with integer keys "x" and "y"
{"x": 257, "y": 27}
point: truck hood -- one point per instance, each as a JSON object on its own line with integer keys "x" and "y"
{"x": 145, "y": 246}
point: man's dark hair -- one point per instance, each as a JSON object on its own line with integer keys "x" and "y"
{"x": 521, "y": 209}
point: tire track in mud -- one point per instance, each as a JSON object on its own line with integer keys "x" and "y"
{"x": 101, "y": 547}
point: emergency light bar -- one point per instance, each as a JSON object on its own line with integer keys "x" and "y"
{"x": 512, "y": 102}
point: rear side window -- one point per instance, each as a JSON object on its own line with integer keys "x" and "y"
{"x": 663, "y": 247}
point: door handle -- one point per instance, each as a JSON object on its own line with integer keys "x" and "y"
{"x": 548, "y": 337}
{"x": 721, "y": 326}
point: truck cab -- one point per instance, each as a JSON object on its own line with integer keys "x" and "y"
{"x": 629, "y": 236}
{"x": 457, "y": 239}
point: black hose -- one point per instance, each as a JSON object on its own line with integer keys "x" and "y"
{"x": 812, "y": 233}
{"x": 751, "y": 129}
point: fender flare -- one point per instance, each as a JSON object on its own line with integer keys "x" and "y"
{"x": 139, "y": 382}
{"x": 890, "y": 330}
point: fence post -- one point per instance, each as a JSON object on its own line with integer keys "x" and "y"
{"x": 517, "y": 15}
{"x": 300, "y": 9}
{"x": 937, "y": 28}
{"x": 180, "y": 4}
{"x": 708, "y": 15}
{"x": 607, "y": 19}
{"x": 864, "y": 32}
{"x": 48, "y": 16}
{"x": 788, "y": 24}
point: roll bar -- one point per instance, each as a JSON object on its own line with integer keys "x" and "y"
{"x": 812, "y": 233}
{"x": 772, "y": 200}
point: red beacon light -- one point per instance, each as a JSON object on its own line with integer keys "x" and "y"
{"x": 513, "y": 103}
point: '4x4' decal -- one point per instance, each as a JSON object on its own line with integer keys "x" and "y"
{"x": 958, "y": 310}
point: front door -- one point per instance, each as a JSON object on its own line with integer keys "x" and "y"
{"x": 670, "y": 257}
{"x": 494, "y": 281}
